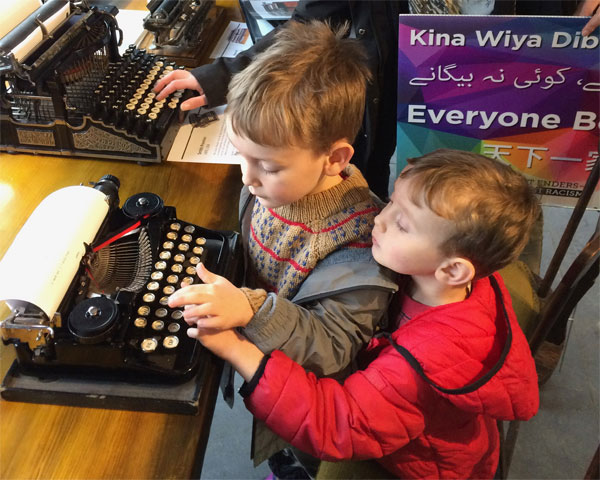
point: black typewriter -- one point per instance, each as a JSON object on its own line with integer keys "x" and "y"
{"x": 72, "y": 93}
{"x": 113, "y": 321}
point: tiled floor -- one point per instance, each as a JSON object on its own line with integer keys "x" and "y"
{"x": 557, "y": 444}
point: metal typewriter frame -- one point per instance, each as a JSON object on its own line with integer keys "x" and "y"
{"x": 39, "y": 114}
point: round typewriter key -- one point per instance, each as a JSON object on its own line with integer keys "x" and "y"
{"x": 137, "y": 96}
{"x": 155, "y": 110}
{"x": 130, "y": 106}
{"x": 164, "y": 255}
{"x": 198, "y": 250}
{"x": 140, "y": 92}
{"x": 169, "y": 67}
{"x": 141, "y": 111}
{"x": 169, "y": 289}
{"x": 168, "y": 245}
{"x": 158, "y": 325}
{"x": 201, "y": 240}
{"x": 152, "y": 286}
{"x": 171, "y": 341}
{"x": 159, "y": 63}
{"x": 172, "y": 279}
{"x": 143, "y": 310}
{"x": 189, "y": 229}
{"x": 149, "y": 345}
{"x": 172, "y": 105}
{"x": 176, "y": 315}
{"x": 140, "y": 322}
{"x": 146, "y": 82}
{"x": 195, "y": 260}
{"x": 149, "y": 297}
{"x": 152, "y": 115}
{"x": 179, "y": 257}
{"x": 161, "y": 313}
{"x": 173, "y": 327}
{"x": 145, "y": 106}
{"x": 172, "y": 235}
{"x": 186, "y": 238}
{"x": 160, "y": 265}
{"x": 188, "y": 280}
{"x": 164, "y": 301}
{"x": 176, "y": 226}
{"x": 184, "y": 247}
{"x": 156, "y": 275}
{"x": 190, "y": 270}
{"x": 177, "y": 268}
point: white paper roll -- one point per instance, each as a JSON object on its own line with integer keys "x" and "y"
{"x": 45, "y": 255}
{"x": 14, "y": 12}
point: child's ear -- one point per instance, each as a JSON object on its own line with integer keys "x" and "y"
{"x": 339, "y": 157}
{"x": 455, "y": 271}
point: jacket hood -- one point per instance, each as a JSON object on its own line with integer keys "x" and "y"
{"x": 468, "y": 342}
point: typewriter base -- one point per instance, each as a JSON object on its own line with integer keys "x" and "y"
{"x": 188, "y": 398}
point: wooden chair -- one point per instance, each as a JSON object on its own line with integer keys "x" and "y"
{"x": 543, "y": 312}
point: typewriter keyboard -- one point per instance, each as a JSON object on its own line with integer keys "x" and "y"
{"x": 124, "y": 98}
{"x": 157, "y": 327}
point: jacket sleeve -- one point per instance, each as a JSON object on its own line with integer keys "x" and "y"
{"x": 214, "y": 78}
{"x": 323, "y": 335}
{"x": 373, "y": 414}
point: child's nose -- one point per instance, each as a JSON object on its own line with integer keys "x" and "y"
{"x": 379, "y": 223}
{"x": 248, "y": 177}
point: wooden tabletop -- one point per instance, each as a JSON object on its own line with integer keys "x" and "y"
{"x": 52, "y": 442}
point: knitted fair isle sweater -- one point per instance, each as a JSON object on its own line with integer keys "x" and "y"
{"x": 287, "y": 242}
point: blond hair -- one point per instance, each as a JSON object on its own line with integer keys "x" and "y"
{"x": 491, "y": 206}
{"x": 306, "y": 90}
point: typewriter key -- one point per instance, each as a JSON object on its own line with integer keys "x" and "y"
{"x": 137, "y": 96}
{"x": 188, "y": 280}
{"x": 198, "y": 250}
{"x": 190, "y": 270}
{"x": 171, "y": 341}
{"x": 156, "y": 275}
{"x": 201, "y": 240}
{"x": 195, "y": 260}
{"x": 164, "y": 255}
{"x": 173, "y": 327}
{"x": 152, "y": 286}
{"x": 169, "y": 289}
{"x": 176, "y": 226}
{"x": 155, "y": 110}
{"x": 149, "y": 345}
{"x": 143, "y": 310}
{"x": 186, "y": 238}
{"x": 144, "y": 106}
{"x": 176, "y": 315}
{"x": 179, "y": 257}
{"x": 161, "y": 313}
{"x": 160, "y": 265}
{"x": 158, "y": 325}
{"x": 140, "y": 322}
{"x": 172, "y": 279}
{"x": 189, "y": 229}
{"x": 172, "y": 235}
{"x": 164, "y": 301}
{"x": 168, "y": 245}
{"x": 184, "y": 247}
{"x": 172, "y": 105}
{"x": 149, "y": 297}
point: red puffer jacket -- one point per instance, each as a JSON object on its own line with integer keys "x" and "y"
{"x": 388, "y": 412}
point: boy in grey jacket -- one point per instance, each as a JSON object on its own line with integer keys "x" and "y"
{"x": 312, "y": 288}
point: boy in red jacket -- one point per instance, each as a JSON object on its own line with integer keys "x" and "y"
{"x": 455, "y": 360}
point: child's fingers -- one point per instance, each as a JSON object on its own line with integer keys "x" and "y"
{"x": 205, "y": 275}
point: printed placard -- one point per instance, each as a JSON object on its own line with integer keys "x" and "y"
{"x": 525, "y": 90}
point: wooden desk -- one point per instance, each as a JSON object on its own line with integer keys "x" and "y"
{"x": 46, "y": 441}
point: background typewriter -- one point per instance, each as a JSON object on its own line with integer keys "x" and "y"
{"x": 94, "y": 299}
{"x": 66, "y": 90}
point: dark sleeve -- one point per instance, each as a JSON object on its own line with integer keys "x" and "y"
{"x": 214, "y": 78}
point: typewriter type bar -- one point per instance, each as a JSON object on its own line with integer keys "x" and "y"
{"x": 75, "y": 95}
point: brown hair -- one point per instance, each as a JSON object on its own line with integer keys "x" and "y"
{"x": 306, "y": 90}
{"x": 491, "y": 206}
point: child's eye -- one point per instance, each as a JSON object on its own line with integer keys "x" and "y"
{"x": 400, "y": 227}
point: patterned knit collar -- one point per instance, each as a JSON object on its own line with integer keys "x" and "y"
{"x": 351, "y": 191}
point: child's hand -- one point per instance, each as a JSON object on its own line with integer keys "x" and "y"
{"x": 217, "y": 303}
{"x": 232, "y": 347}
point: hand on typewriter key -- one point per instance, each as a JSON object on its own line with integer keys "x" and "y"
{"x": 217, "y": 303}
{"x": 180, "y": 80}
